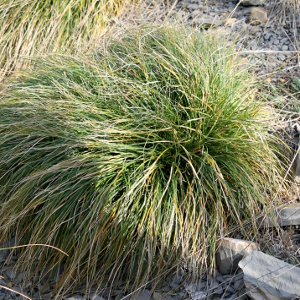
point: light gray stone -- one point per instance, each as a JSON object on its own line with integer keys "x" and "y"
{"x": 268, "y": 278}
{"x": 285, "y": 48}
{"x": 286, "y": 215}
{"x": 285, "y": 40}
{"x": 230, "y": 252}
{"x": 267, "y": 36}
{"x": 253, "y": 2}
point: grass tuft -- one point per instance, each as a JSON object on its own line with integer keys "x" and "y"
{"x": 29, "y": 27}
{"x": 135, "y": 158}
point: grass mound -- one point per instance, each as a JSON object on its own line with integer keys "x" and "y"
{"x": 133, "y": 158}
{"x": 28, "y": 27}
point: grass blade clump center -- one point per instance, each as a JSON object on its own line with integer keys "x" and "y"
{"x": 135, "y": 157}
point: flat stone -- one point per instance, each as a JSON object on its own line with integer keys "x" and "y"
{"x": 287, "y": 215}
{"x": 268, "y": 278}
{"x": 258, "y": 16}
{"x": 253, "y": 2}
{"x": 230, "y": 252}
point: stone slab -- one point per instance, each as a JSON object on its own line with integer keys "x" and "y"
{"x": 268, "y": 278}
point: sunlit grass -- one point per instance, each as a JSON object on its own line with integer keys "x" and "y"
{"x": 135, "y": 158}
{"x": 28, "y": 27}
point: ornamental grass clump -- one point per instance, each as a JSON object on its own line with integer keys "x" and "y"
{"x": 134, "y": 159}
{"x": 28, "y": 27}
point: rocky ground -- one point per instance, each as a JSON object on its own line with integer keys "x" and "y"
{"x": 273, "y": 48}
{"x": 271, "y": 45}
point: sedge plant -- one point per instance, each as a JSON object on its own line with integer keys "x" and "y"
{"x": 29, "y": 27}
{"x": 135, "y": 158}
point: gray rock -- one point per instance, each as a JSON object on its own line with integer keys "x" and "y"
{"x": 192, "y": 6}
{"x": 231, "y": 251}
{"x": 238, "y": 284}
{"x": 2, "y": 282}
{"x": 267, "y": 36}
{"x": 229, "y": 289}
{"x": 216, "y": 287}
{"x": 268, "y": 278}
{"x": 276, "y": 42}
{"x": 202, "y": 286}
{"x": 292, "y": 48}
{"x": 174, "y": 285}
{"x": 192, "y": 290}
{"x": 232, "y": 297}
{"x": 75, "y": 297}
{"x": 253, "y": 2}
{"x": 10, "y": 274}
{"x": 196, "y": 13}
{"x": 285, "y": 48}
{"x": 143, "y": 295}
{"x": 96, "y": 297}
{"x": 243, "y": 295}
{"x": 157, "y": 296}
{"x": 285, "y": 40}
{"x": 286, "y": 215}
{"x": 258, "y": 16}
{"x": 46, "y": 296}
